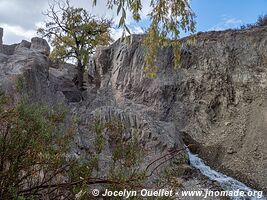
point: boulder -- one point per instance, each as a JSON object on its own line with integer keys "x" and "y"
{"x": 65, "y": 84}
{"x": 40, "y": 45}
{"x": 29, "y": 69}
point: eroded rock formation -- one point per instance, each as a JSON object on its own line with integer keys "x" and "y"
{"x": 215, "y": 99}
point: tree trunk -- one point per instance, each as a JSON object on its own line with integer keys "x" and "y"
{"x": 80, "y": 72}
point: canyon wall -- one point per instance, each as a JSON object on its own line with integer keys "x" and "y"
{"x": 215, "y": 99}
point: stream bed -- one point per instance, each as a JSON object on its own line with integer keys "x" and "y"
{"x": 227, "y": 183}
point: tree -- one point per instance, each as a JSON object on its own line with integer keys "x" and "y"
{"x": 74, "y": 34}
{"x": 261, "y": 21}
{"x": 167, "y": 17}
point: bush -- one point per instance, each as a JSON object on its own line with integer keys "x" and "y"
{"x": 35, "y": 162}
{"x": 261, "y": 21}
{"x": 30, "y": 154}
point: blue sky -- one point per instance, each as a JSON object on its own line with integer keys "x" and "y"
{"x": 220, "y": 14}
{"x": 211, "y": 15}
{"x": 223, "y": 14}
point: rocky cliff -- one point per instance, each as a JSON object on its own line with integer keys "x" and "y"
{"x": 215, "y": 99}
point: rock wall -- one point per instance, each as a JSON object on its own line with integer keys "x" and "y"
{"x": 9, "y": 49}
{"x": 224, "y": 92}
{"x": 215, "y": 99}
{"x": 53, "y": 86}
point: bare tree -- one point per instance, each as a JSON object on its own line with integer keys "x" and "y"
{"x": 74, "y": 34}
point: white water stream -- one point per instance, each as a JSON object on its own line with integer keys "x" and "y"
{"x": 227, "y": 183}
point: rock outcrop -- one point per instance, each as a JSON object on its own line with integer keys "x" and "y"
{"x": 25, "y": 66}
{"x": 40, "y": 45}
{"x": 224, "y": 93}
{"x": 215, "y": 99}
{"x": 23, "y": 44}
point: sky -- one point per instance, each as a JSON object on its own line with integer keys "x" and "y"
{"x": 21, "y": 18}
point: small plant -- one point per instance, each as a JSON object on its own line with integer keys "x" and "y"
{"x": 58, "y": 113}
{"x": 2, "y": 100}
{"x": 20, "y": 83}
{"x": 100, "y": 139}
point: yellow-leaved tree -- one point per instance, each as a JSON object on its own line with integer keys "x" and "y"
{"x": 167, "y": 19}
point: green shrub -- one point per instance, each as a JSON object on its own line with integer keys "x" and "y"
{"x": 261, "y": 21}
{"x": 20, "y": 83}
{"x": 35, "y": 159}
{"x": 29, "y": 149}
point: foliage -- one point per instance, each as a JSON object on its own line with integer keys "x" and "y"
{"x": 30, "y": 154}
{"x": 167, "y": 17}
{"x": 20, "y": 83}
{"x": 2, "y": 101}
{"x": 261, "y": 21}
{"x": 127, "y": 155}
{"x": 35, "y": 159}
{"x": 74, "y": 34}
{"x": 122, "y": 170}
